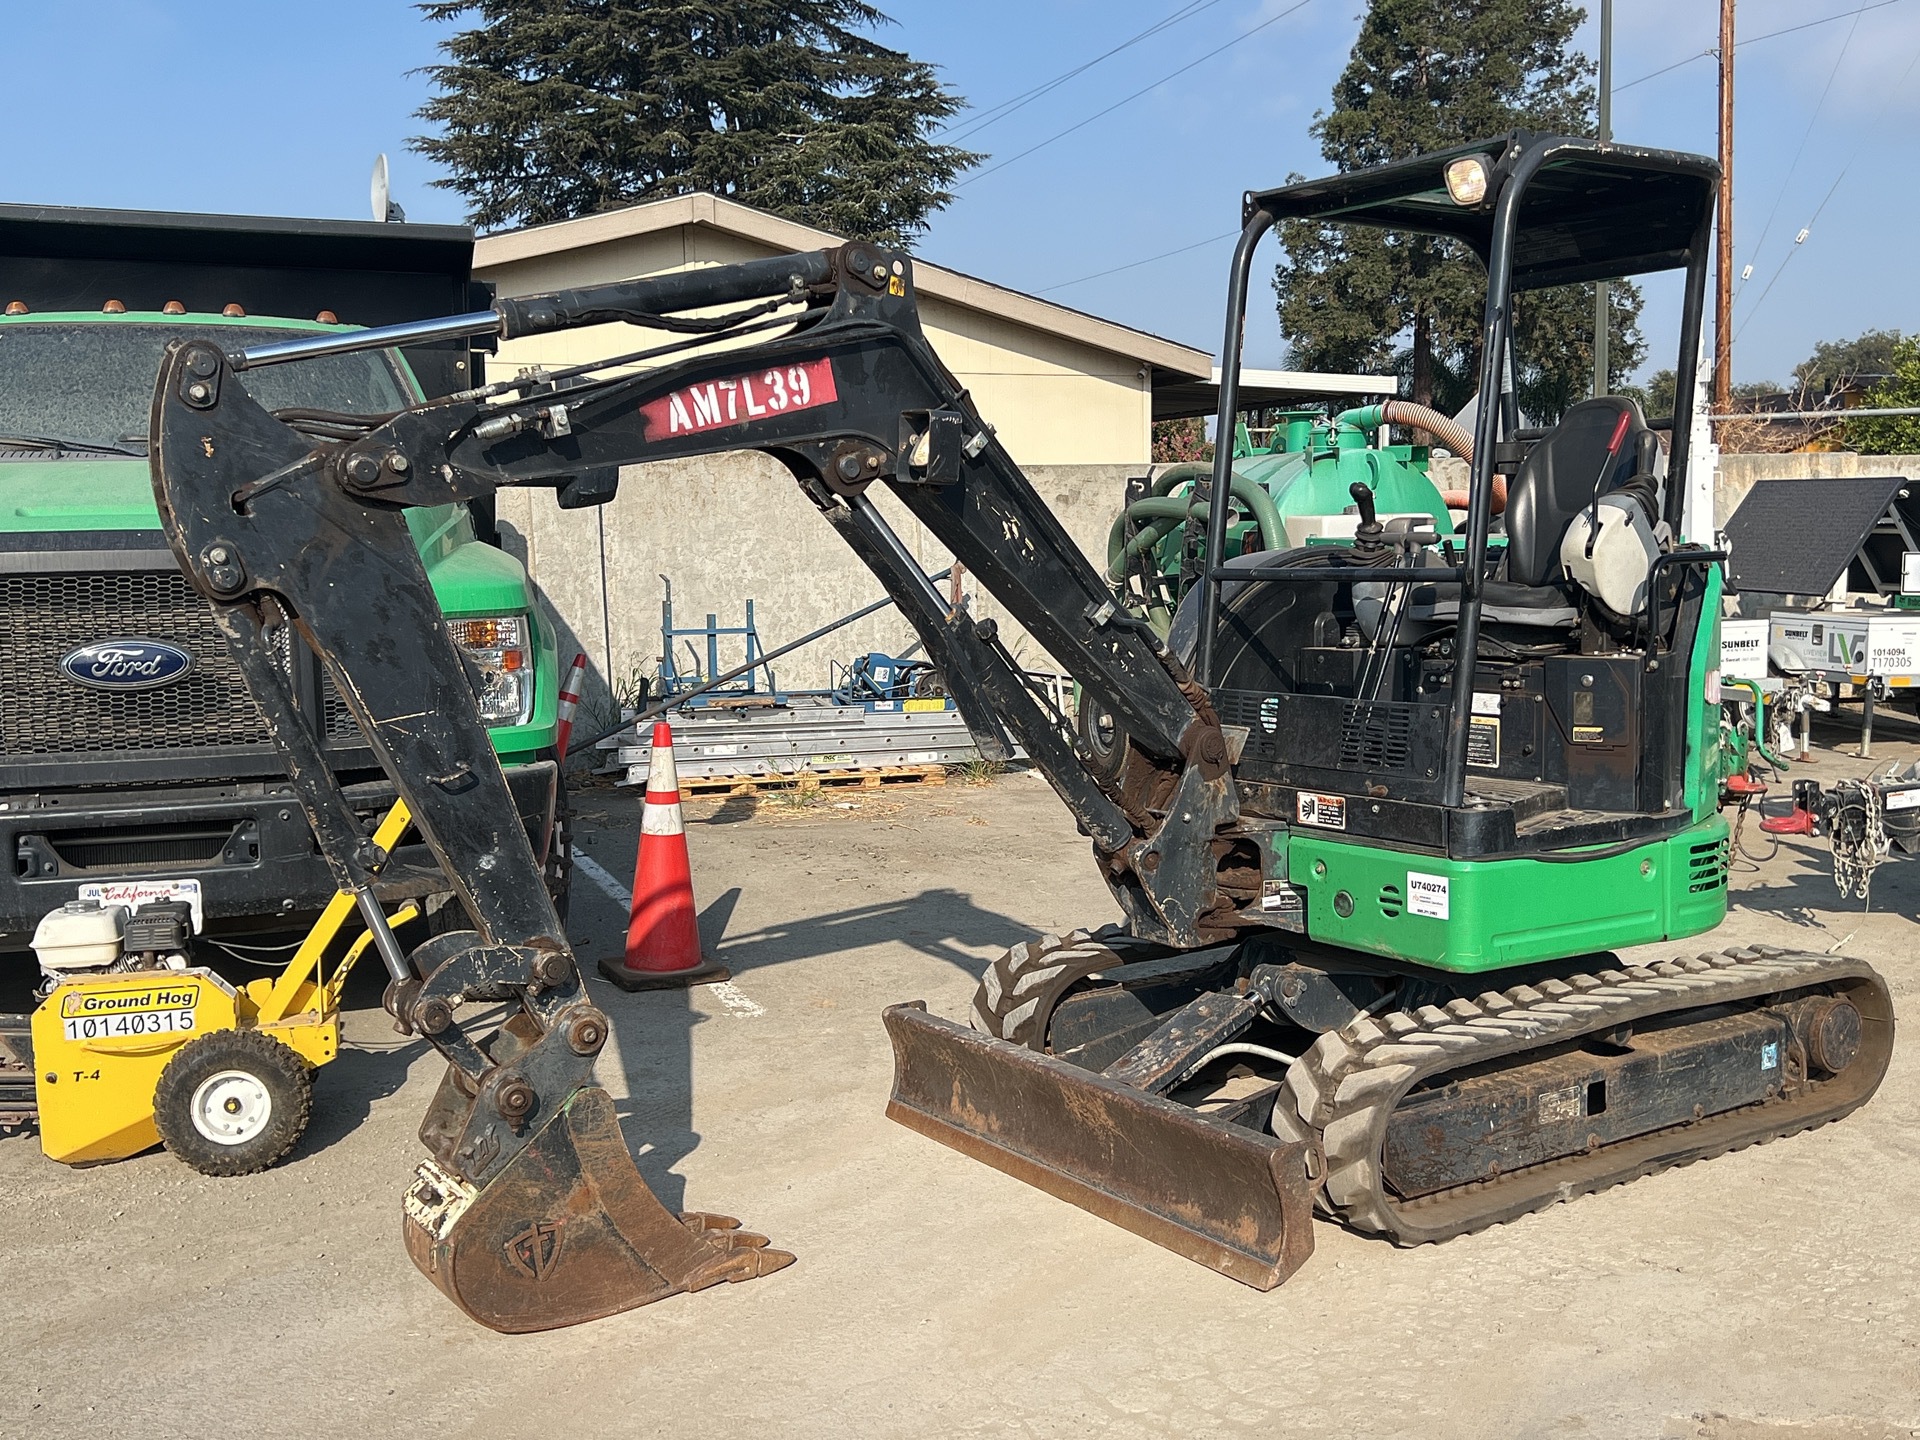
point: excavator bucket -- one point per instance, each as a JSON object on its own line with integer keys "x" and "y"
{"x": 1236, "y": 1201}
{"x": 568, "y": 1231}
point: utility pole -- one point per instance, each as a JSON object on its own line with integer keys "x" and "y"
{"x": 1601, "y": 327}
{"x": 1723, "y": 297}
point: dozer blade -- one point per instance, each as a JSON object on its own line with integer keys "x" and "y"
{"x": 1236, "y": 1201}
{"x": 568, "y": 1231}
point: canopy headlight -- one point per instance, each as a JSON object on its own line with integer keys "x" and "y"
{"x": 1467, "y": 180}
{"x": 497, "y": 647}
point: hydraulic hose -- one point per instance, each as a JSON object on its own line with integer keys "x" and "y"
{"x": 1164, "y": 482}
{"x": 1759, "y": 722}
{"x": 1165, "y": 513}
{"x": 1448, "y": 432}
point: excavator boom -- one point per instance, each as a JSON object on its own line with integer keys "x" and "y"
{"x": 529, "y": 1213}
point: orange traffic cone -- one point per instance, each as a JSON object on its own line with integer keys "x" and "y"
{"x": 663, "y": 935}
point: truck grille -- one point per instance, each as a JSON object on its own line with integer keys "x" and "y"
{"x": 336, "y": 721}
{"x": 44, "y": 616}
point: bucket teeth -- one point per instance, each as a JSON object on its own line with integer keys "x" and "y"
{"x": 568, "y": 1231}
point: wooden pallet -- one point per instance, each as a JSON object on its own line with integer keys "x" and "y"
{"x": 872, "y": 779}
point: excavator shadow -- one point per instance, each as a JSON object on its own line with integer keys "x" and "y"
{"x": 650, "y": 1074}
{"x": 368, "y": 1069}
{"x": 941, "y": 923}
{"x": 359, "y": 1078}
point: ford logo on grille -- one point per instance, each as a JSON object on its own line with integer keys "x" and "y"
{"x": 126, "y": 664}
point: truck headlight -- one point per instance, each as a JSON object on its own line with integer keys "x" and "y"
{"x": 497, "y": 646}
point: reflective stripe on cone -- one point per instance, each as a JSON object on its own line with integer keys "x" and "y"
{"x": 663, "y": 931}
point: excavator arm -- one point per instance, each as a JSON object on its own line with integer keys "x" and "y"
{"x": 529, "y": 1213}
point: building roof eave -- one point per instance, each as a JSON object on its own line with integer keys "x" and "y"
{"x": 492, "y": 252}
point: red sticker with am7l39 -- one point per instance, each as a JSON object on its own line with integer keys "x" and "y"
{"x": 741, "y": 399}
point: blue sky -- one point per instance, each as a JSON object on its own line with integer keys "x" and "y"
{"x": 278, "y": 107}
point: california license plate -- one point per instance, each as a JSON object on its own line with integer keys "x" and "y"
{"x": 131, "y": 893}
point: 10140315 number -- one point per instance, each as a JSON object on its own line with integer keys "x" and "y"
{"x": 741, "y": 399}
{"x": 127, "y": 1025}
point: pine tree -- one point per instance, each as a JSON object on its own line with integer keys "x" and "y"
{"x": 550, "y": 109}
{"x": 1424, "y": 76}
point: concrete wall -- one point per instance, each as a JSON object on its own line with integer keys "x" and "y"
{"x": 1738, "y": 473}
{"x": 1051, "y": 400}
{"x": 727, "y": 527}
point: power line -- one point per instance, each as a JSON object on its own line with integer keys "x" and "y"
{"x": 1198, "y": 244}
{"x": 1807, "y": 229}
{"x": 977, "y": 123}
{"x": 1805, "y": 135}
{"x": 1656, "y": 74}
{"x": 1136, "y": 264}
{"x": 1754, "y": 39}
{"x": 1128, "y": 100}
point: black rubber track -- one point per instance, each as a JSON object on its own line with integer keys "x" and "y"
{"x": 1018, "y": 993}
{"x": 1349, "y": 1082}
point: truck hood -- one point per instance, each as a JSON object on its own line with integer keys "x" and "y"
{"x": 41, "y": 497}
{"x": 103, "y": 494}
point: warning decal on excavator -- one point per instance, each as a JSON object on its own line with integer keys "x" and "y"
{"x": 738, "y": 399}
{"x": 1281, "y": 904}
{"x": 1483, "y": 743}
{"x": 1329, "y": 812}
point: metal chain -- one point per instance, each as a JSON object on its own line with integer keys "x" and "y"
{"x": 1859, "y": 845}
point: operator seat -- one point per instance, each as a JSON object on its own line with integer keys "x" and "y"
{"x": 1557, "y": 480}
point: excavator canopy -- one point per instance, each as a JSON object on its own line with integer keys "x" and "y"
{"x": 1587, "y": 210}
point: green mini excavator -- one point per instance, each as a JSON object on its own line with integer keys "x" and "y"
{"x": 1375, "y": 812}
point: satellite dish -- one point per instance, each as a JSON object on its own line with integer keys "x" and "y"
{"x": 384, "y": 208}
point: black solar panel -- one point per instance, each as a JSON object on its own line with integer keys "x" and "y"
{"x": 1795, "y": 537}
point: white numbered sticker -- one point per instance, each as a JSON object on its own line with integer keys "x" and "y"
{"x": 119, "y": 1013}
{"x": 1427, "y": 895}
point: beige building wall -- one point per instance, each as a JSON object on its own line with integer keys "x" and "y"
{"x": 1075, "y": 415}
{"x": 1050, "y": 399}
{"x": 1740, "y": 473}
{"x": 727, "y": 528}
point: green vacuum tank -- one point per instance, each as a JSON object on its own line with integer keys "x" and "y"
{"x": 1305, "y": 470}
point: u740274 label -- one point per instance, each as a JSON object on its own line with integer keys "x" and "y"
{"x": 741, "y": 399}
{"x": 1428, "y": 895}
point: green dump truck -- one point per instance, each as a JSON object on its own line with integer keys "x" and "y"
{"x": 133, "y": 763}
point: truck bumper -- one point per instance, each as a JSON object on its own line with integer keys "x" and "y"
{"x": 251, "y": 850}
